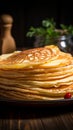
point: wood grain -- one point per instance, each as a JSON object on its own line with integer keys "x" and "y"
{"x": 59, "y": 122}
{"x": 37, "y": 118}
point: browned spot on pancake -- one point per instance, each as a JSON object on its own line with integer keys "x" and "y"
{"x": 36, "y": 55}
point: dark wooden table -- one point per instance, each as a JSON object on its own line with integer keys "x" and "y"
{"x": 36, "y": 116}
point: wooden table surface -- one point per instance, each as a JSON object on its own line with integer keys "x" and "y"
{"x": 36, "y": 117}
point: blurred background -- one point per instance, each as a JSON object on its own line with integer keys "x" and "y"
{"x": 29, "y": 13}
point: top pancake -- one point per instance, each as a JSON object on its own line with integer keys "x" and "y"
{"x": 43, "y": 57}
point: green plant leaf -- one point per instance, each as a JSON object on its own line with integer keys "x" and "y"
{"x": 48, "y": 31}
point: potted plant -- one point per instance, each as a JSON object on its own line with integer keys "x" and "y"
{"x": 48, "y": 34}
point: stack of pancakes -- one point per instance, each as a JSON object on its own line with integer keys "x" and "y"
{"x": 43, "y": 73}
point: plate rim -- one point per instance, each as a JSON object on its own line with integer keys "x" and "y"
{"x": 57, "y": 102}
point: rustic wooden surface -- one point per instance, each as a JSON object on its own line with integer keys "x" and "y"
{"x": 36, "y": 117}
